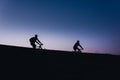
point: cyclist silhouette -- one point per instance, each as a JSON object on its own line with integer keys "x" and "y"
{"x": 34, "y": 40}
{"x": 76, "y": 46}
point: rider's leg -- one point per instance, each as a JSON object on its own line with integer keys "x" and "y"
{"x": 40, "y": 47}
{"x": 74, "y": 48}
{"x": 78, "y": 49}
{"x": 33, "y": 45}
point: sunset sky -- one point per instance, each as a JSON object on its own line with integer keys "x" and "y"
{"x": 60, "y": 23}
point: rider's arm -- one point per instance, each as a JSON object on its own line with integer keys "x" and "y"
{"x": 81, "y": 46}
{"x": 38, "y": 41}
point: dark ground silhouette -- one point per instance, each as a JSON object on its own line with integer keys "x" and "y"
{"x": 26, "y": 63}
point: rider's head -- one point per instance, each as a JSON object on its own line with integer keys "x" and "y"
{"x": 36, "y": 35}
{"x": 77, "y": 41}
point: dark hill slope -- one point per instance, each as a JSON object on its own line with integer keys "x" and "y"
{"x": 26, "y": 63}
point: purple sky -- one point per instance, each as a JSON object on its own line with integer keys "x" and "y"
{"x": 60, "y": 23}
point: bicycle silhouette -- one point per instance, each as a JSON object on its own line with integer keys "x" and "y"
{"x": 39, "y": 46}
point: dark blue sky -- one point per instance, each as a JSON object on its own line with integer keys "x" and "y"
{"x": 59, "y": 23}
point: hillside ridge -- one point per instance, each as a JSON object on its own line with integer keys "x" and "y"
{"x": 28, "y": 63}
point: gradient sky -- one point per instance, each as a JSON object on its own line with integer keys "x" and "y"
{"x": 60, "y": 23}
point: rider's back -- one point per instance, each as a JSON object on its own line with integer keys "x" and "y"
{"x": 32, "y": 40}
{"x": 76, "y": 45}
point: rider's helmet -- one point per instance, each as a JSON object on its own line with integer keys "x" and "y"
{"x": 36, "y": 36}
{"x": 78, "y": 41}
